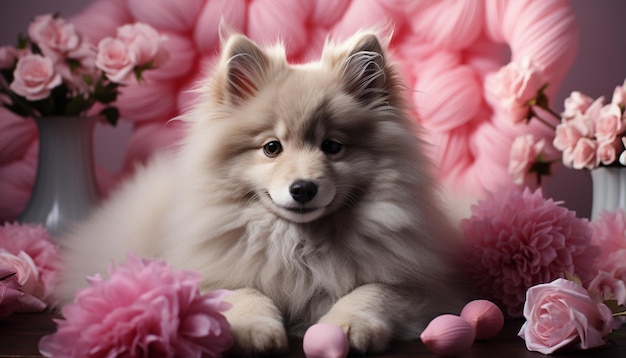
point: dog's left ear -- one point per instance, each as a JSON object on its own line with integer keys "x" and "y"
{"x": 246, "y": 65}
{"x": 364, "y": 69}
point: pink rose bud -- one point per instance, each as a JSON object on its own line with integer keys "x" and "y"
{"x": 485, "y": 317}
{"x": 34, "y": 77}
{"x": 325, "y": 340}
{"x": 448, "y": 335}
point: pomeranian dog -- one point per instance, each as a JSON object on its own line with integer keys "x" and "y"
{"x": 304, "y": 189}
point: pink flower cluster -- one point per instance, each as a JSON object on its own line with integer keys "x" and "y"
{"x": 136, "y": 46}
{"x": 563, "y": 314}
{"x": 446, "y": 50}
{"x": 29, "y": 264}
{"x": 58, "y": 55}
{"x": 516, "y": 240}
{"x": 592, "y": 133}
{"x": 145, "y": 309}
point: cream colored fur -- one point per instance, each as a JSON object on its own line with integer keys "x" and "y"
{"x": 369, "y": 252}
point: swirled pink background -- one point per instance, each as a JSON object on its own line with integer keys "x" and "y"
{"x": 446, "y": 49}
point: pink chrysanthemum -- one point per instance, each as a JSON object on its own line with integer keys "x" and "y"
{"x": 33, "y": 240}
{"x": 519, "y": 239}
{"x": 145, "y": 309}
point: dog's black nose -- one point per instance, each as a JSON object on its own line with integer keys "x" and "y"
{"x": 303, "y": 191}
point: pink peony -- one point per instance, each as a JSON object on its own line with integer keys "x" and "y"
{"x": 519, "y": 239}
{"x": 54, "y": 36}
{"x": 144, "y": 309}
{"x": 561, "y": 313}
{"x": 34, "y": 77}
{"x": 116, "y": 60}
{"x": 524, "y": 153}
{"x": 518, "y": 83}
{"x": 33, "y": 241}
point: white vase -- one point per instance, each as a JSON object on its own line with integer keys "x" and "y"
{"x": 65, "y": 188}
{"x": 609, "y": 189}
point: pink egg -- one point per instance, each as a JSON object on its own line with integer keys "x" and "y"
{"x": 485, "y": 317}
{"x": 325, "y": 340}
{"x": 448, "y": 335}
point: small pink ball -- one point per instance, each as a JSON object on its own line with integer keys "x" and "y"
{"x": 485, "y": 317}
{"x": 448, "y": 335}
{"x": 325, "y": 340}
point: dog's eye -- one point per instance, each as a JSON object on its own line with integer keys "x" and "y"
{"x": 331, "y": 147}
{"x": 272, "y": 149}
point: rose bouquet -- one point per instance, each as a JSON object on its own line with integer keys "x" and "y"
{"x": 589, "y": 132}
{"x": 53, "y": 70}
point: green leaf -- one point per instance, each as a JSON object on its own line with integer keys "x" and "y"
{"x": 77, "y": 105}
{"x": 111, "y": 114}
{"x": 22, "y": 41}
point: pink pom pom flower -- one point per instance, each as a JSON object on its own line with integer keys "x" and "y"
{"x": 519, "y": 239}
{"x": 144, "y": 309}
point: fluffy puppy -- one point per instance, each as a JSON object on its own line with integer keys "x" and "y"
{"x": 302, "y": 188}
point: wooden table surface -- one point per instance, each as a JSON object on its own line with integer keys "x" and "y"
{"x": 20, "y": 333}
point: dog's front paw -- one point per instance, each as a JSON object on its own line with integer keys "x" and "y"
{"x": 259, "y": 334}
{"x": 366, "y": 333}
{"x": 256, "y": 323}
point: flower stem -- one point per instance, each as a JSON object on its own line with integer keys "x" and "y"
{"x": 543, "y": 120}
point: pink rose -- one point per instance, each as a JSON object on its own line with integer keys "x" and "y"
{"x": 560, "y": 314}
{"x": 518, "y": 83}
{"x": 25, "y": 269}
{"x": 609, "y": 123}
{"x": 524, "y": 153}
{"x": 34, "y": 77}
{"x": 576, "y": 103}
{"x": 608, "y": 287}
{"x": 607, "y": 152}
{"x": 584, "y": 154}
{"x": 54, "y": 36}
{"x": 115, "y": 59}
{"x": 144, "y": 41}
{"x": 566, "y": 136}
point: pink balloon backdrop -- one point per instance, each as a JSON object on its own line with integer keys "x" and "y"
{"x": 446, "y": 50}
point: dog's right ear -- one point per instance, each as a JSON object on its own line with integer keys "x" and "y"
{"x": 246, "y": 65}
